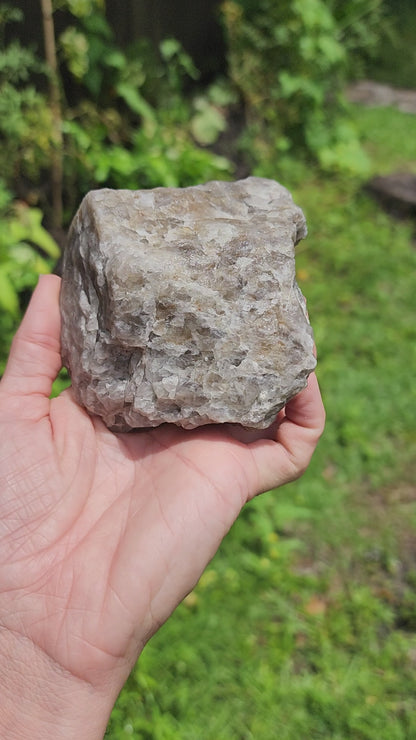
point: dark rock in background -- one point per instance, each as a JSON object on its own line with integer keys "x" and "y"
{"x": 395, "y": 192}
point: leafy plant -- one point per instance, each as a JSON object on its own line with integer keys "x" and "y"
{"x": 395, "y": 62}
{"x": 210, "y": 112}
{"x": 26, "y": 250}
{"x": 144, "y": 132}
{"x": 25, "y": 118}
{"x": 289, "y": 61}
{"x": 131, "y": 123}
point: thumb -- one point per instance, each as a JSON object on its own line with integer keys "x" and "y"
{"x": 35, "y": 359}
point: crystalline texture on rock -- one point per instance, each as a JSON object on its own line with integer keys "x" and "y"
{"x": 181, "y": 305}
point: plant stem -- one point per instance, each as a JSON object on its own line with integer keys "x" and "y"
{"x": 55, "y": 106}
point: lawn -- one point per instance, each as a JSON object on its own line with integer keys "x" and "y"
{"x": 304, "y": 624}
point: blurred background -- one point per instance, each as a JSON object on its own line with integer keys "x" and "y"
{"x": 304, "y": 625}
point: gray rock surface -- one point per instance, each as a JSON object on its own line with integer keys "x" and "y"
{"x": 181, "y": 305}
{"x": 396, "y": 192}
{"x": 378, "y": 95}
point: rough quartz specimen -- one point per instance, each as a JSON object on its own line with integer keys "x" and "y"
{"x": 181, "y": 305}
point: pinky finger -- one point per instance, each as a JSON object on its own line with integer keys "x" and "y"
{"x": 286, "y": 458}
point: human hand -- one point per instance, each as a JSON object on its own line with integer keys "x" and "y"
{"x": 103, "y": 534}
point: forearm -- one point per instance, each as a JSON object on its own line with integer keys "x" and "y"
{"x": 40, "y": 700}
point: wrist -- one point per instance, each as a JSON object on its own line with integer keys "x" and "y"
{"x": 39, "y": 699}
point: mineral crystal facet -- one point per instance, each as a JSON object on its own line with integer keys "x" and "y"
{"x": 181, "y": 305}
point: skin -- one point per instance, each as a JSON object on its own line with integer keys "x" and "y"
{"x": 103, "y": 534}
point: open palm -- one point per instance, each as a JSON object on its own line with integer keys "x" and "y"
{"x": 102, "y": 534}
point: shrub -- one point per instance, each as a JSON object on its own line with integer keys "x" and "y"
{"x": 26, "y": 250}
{"x": 25, "y": 118}
{"x": 289, "y": 61}
{"x": 138, "y": 129}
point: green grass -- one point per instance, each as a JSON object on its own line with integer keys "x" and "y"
{"x": 389, "y": 137}
{"x": 304, "y": 625}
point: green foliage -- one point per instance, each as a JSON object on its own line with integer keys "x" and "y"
{"x": 361, "y": 25}
{"x": 74, "y": 46}
{"x": 142, "y": 130}
{"x": 89, "y": 51}
{"x": 301, "y": 51}
{"x": 79, "y": 8}
{"x": 8, "y": 14}
{"x": 395, "y": 63}
{"x": 25, "y": 118}
{"x": 26, "y": 250}
{"x": 210, "y": 118}
{"x": 158, "y": 155}
{"x": 131, "y": 126}
{"x": 178, "y": 63}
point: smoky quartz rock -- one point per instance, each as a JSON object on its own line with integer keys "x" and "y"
{"x": 181, "y": 305}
